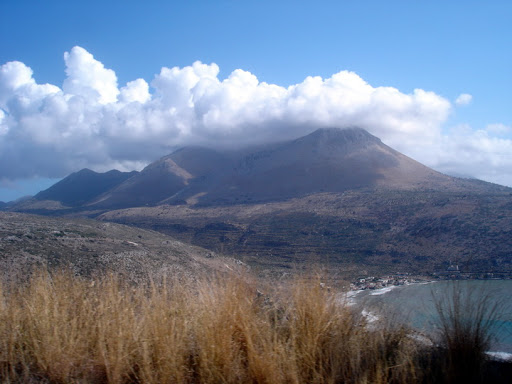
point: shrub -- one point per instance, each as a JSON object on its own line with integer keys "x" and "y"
{"x": 467, "y": 319}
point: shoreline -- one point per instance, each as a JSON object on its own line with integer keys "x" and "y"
{"x": 372, "y": 316}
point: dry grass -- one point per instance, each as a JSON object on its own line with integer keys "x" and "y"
{"x": 60, "y": 328}
{"x": 466, "y": 318}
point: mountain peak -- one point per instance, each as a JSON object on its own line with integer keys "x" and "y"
{"x": 335, "y": 143}
{"x": 342, "y": 136}
{"x": 83, "y": 186}
{"x": 84, "y": 171}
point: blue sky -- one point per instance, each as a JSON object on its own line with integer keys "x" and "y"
{"x": 458, "y": 54}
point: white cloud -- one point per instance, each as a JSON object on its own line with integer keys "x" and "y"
{"x": 463, "y": 99}
{"x": 88, "y": 77}
{"x": 476, "y": 153}
{"x": 48, "y": 132}
{"x": 137, "y": 90}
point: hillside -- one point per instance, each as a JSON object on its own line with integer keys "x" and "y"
{"x": 90, "y": 247}
{"x": 358, "y": 231}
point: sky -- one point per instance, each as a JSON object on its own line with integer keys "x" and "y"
{"x": 118, "y": 84}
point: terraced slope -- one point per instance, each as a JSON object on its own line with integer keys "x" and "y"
{"x": 381, "y": 231}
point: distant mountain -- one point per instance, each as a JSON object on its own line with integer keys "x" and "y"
{"x": 81, "y": 187}
{"x": 2, "y": 205}
{"x": 328, "y": 160}
{"x": 163, "y": 179}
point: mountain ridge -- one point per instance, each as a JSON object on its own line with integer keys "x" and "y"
{"x": 326, "y": 160}
{"x": 81, "y": 187}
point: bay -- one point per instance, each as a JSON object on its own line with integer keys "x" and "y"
{"x": 414, "y": 305}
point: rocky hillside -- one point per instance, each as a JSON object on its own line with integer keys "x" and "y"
{"x": 89, "y": 246}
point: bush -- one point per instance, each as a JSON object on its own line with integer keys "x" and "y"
{"x": 467, "y": 319}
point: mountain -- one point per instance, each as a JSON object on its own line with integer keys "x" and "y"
{"x": 81, "y": 187}
{"x": 164, "y": 179}
{"x": 336, "y": 197}
{"x": 328, "y": 160}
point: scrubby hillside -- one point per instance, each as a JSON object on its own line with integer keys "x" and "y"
{"x": 89, "y": 247}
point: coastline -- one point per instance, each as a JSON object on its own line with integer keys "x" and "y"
{"x": 353, "y": 298}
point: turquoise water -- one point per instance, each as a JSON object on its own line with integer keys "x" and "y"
{"x": 415, "y": 305}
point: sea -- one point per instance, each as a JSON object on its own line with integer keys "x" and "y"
{"x": 415, "y": 305}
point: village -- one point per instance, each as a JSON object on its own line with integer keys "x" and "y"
{"x": 453, "y": 272}
{"x": 383, "y": 282}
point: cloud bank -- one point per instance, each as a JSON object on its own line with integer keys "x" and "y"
{"x": 91, "y": 121}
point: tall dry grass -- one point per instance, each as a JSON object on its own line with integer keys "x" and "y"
{"x": 60, "y": 328}
{"x": 467, "y": 319}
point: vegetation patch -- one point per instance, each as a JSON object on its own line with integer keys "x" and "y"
{"x": 60, "y": 328}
